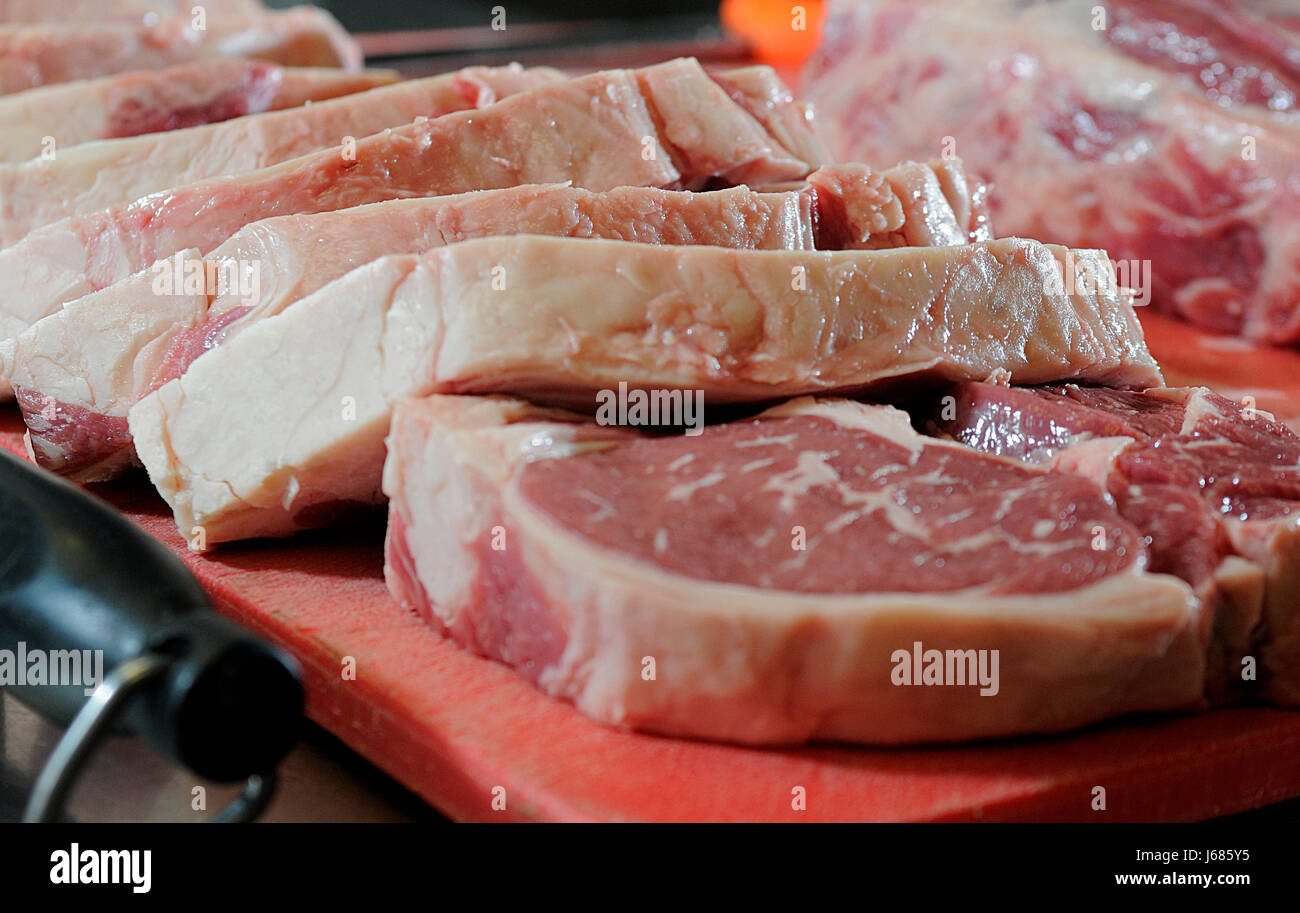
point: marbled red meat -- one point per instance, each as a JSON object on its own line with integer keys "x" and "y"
{"x": 1213, "y": 486}
{"x": 1163, "y": 131}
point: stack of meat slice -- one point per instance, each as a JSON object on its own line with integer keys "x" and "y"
{"x": 436, "y": 314}
{"x": 81, "y": 369}
{"x": 665, "y": 126}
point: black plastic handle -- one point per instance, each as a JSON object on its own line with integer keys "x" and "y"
{"x": 75, "y": 575}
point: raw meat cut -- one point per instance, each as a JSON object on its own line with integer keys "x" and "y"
{"x": 40, "y": 55}
{"x": 565, "y": 318}
{"x": 621, "y": 127}
{"x": 1171, "y": 135}
{"x": 1215, "y": 487}
{"x": 96, "y": 176}
{"x": 714, "y": 586}
{"x": 131, "y": 104}
{"x": 117, "y": 10}
{"x": 85, "y": 365}
{"x": 762, "y": 93}
{"x": 940, "y": 205}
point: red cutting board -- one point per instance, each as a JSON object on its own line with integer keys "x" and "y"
{"x": 461, "y": 731}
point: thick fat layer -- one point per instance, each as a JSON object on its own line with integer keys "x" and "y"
{"x": 134, "y": 339}
{"x": 132, "y": 104}
{"x": 40, "y": 55}
{"x": 1216, "y": 489}
{"x": 598, "y": 131}
{"x": 292, "y": 256}
{"x": 578, "y": 616}
{"x": 745, "y": 326}
{"x": 1170, "y": 172}
{"x": 96, "y": 176}
{"x": 566, "y": 318}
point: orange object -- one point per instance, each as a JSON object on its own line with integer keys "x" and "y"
{"x": 779, "y": 31}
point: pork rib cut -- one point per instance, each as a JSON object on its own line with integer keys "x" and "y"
{"x": 41, "y": 55}
{"x": 152, "y": 101}
{"x": 564, "y": 318}
{"x": 575, "y": 553}
{"x": 1214, "y": 486}
{"x": 96, "y": 176}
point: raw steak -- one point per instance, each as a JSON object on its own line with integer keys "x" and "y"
{"x": 565, "y": 318}
{"x": 1214, "y": 487}
{"x": 667, "y": 125}
{"x": 1170, "y": 136}
{"x": 84, "y": 366}
{"x": 40, "y": 55}
{"x": 96, "y": 176}
{"x": 733, "y": 562}
{"x": 117, "y": 10}
{"x": 131, "y": 104}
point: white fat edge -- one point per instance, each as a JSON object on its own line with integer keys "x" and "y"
{"x": 812, "y": 469}
{"x": 1199, "y": 405}
{"x": 686, "y": 490}
{"x": 1088, "y": 456}
{"x": 885, "y": 421}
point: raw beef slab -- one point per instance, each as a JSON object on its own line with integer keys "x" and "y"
{"x": 564, "y": 318}
{"x": 151, "y": 101}
{"x": 1171, "y": 135}
{"x": 584, "y": 556}
{"x": 1214, "y": 486}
